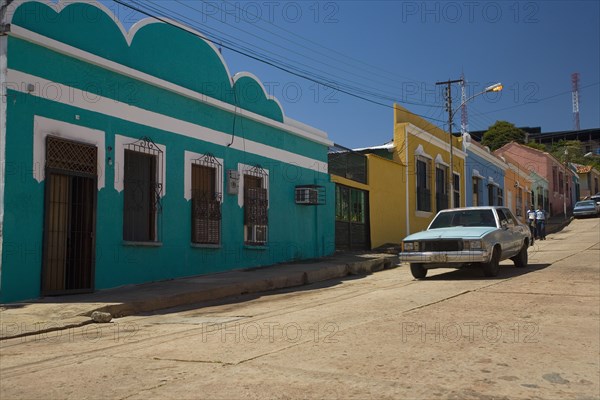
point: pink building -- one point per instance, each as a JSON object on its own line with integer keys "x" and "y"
{"x": 547, "y": 166}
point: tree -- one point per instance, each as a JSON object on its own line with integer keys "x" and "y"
{"x": 500, "y": 133}
{"x": 573, "y": 151}
{"x": 537, "y": 146}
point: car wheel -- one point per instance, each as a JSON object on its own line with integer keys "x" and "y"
{"x": 520, "y": 259}
{"x": 492, "y": 268}
{"x": 418, "y": 271}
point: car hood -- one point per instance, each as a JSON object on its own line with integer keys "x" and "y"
{"x": 472, "y": 232}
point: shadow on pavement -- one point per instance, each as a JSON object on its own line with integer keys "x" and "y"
{"x": 235, "y": 300}
{"x": 475, "y": 273}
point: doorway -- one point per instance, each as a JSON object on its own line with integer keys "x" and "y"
{"x": 69, "y": 248}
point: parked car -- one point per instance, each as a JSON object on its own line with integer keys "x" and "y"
{"x": 596, "y": 198}
{"x": 586, "y": 208}
{"x": 459, "y": 237}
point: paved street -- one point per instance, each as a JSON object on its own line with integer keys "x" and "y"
{"x": 531, "y": 333}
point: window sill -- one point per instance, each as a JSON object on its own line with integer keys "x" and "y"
{"x": 423, "y": 214}
{"x": 142, "y": 244}
{"x": 256, "y": 247}
{"x": 205, "y": 246}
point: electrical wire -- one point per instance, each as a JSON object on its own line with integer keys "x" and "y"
{"x": 290, "y": 64}
{"x": 270, "y": 63}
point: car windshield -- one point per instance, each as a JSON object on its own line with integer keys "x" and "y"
{"x": 464, "y": 218}
{"x": 585, "y": 203}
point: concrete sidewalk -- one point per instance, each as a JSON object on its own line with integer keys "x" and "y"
{"x": 557, "y": 223}
{"x": 64, "y": 312}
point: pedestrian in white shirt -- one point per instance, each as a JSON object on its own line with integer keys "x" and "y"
{"x": 531, "y": 222}
{"x": 540, "y": 217}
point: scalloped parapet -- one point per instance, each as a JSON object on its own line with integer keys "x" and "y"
{"x": 169, "y": 51}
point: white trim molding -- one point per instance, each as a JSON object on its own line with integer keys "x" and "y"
{"x": 43, "y": 127}
{"x": 74, "y": 97}
{"x": 440, "y": 160}
{"x": 420, "y": 152}
{"x": 297, "y": 129}
{"x": 3, "y": 102}
{"x": 428, "y": 137}
{"x": 476, "y": 174}
{"x": 491, "y": 182}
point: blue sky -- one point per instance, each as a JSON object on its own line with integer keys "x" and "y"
{"x": 397, "y": 50}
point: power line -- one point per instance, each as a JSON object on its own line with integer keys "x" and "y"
{"x": 289, "y": 64}
{"x": 265, "y": 61}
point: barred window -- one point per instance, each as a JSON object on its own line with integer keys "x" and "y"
{"x": 423, "y": 184}
{"x": 456, "y": 190}
{"x": 441, "y": 187}
{"x": 476, "y": 191}
{"x": 142, "y": 189}
{"x": 206, "y": 200}
{"x": 519, "y": 206}
{"x": 256, "y": 204}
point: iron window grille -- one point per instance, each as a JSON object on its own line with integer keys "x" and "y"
{"x": 66, "y": 155}
{"x": 143, "y": 172}
{"x": 207, "y": 195}
{"x": 519, "y": 205}
{"x": 256, "y": 205}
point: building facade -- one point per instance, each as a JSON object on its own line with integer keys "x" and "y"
{"x": 369, "y": 205}
{"x": 136, "y": 156}
{"x": 425, "y": 150}
{"x": 484, "y": 179}
{"x": 560, "y": 179}
{"x": 589, "y": 181}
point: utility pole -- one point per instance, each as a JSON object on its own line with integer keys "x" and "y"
{"x": 448, "y": 94}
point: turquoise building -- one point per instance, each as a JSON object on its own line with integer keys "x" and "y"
{"x": 136, "y": 156}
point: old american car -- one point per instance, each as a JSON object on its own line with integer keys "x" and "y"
{"x": 586, "y": 208}
{"x": 481, "y": 236}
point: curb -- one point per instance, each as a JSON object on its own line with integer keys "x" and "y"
{"x": 297, "y": 278}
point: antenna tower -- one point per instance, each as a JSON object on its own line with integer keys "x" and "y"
{"x": 575, "y": 85}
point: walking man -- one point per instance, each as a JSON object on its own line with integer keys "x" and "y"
{"x": 531, "y": 214}
{"x": 540, "y": 217}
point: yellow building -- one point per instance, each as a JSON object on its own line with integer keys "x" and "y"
{"x": 425, "y": 150}
{"x": 386, "y": 192}
{"x": 370, "y": 200}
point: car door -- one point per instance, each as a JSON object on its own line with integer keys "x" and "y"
{"x": 509, "y": 233}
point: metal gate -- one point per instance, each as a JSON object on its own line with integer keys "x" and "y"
{"x": 352, "y": 219}
{"x": 69, "y": 248}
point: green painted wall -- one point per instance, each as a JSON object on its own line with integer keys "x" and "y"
{"x": 295, "y": 231}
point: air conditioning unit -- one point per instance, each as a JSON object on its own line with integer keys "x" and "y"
{"x": 307, "y": 195}
{"x": 256, "y": 234}
{"x": 260, "y": 233}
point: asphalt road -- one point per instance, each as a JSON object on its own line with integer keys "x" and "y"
{"x": 531, "y": 333}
